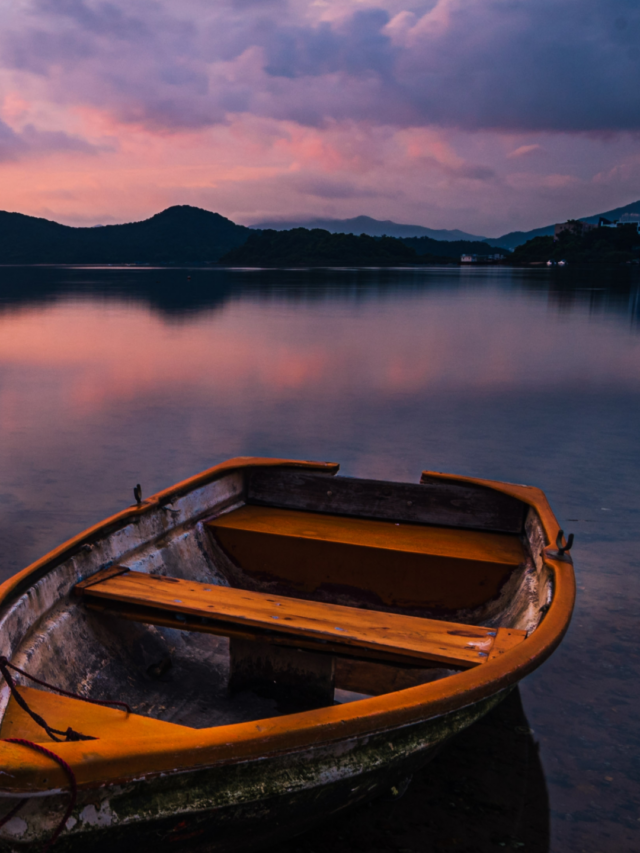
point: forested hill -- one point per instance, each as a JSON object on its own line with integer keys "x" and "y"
{"x": 599, "y": 247}
{"x": 316, "y": 247}
{"x": 452, "y": 248}
{"x": 180, "y": 234}
{"x": 184, "y": 235}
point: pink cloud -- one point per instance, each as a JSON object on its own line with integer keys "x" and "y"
{"x": 524, "y": 151}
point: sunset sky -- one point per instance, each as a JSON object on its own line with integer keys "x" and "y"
{"x": 485, "y": 115}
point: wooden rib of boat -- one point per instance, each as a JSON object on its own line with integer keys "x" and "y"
{"x": 289, "y": 642}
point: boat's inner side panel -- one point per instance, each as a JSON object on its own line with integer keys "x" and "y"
{"x": 433, "y": 501}
{"x": 409, "y": 567}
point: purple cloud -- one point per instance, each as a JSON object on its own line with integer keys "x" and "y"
{"x": 11, "y": 146}
{"x": 533, "y": 65}
{"x": 29, "y": 140}
{"x": 325, "y": 187}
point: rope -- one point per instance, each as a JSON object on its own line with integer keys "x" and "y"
{"x": 70, "y": 734}
{"x": 5, "y": 662}
{"x": 73, "y": 785}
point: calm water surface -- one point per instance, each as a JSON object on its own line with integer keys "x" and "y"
{"x": 113, "y": 377}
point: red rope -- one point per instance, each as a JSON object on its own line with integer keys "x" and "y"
{"x": 73, "y": 785}
{"x": 53, "y": 733}
{"x": 5, "y": 662}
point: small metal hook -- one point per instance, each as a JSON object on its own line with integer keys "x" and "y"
{"x": 137, "y": 493}
{"x": 563, "y": 550}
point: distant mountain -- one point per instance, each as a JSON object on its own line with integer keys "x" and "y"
{"x": 367, "y": 225}
{"x": 616, "y": 213}
{"x": 317, "y": 247}
{"x": 377, "y": 227}
{"x": 178, "y": 235}
{"x": 518, "y": 238}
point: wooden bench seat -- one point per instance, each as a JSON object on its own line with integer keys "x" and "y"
{"x": 320, "y": 627}
{"x": 395, "y": 564}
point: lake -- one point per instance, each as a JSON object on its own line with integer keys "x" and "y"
{"x": 111, "y": 377}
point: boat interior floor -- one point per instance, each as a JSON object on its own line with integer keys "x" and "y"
{"x": 246, "y": 655}
{"x": 175, "y": 678}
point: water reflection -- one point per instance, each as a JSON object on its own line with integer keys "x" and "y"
{"x": 177, "y": 292}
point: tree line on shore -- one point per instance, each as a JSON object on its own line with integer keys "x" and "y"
{"x": 188, "y": 235}
{"x": 595, "y": 247}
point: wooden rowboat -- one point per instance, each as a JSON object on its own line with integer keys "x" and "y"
{"x": 288, "y": 643}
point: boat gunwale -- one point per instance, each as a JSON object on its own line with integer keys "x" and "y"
{"x": 109, "y": 762}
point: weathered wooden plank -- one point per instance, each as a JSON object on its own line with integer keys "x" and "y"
{"x": 206, "y": 625}
{"x": 506, "y": 639}
{"x": 444, "y": 503}
{"x": 390, "y": 633}
{"x": 428, "y": 540}
{"x": 102, "y": 575}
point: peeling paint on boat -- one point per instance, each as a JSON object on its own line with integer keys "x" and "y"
{"x": 16, "y": 827}
{"x": 93, "y": 817}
